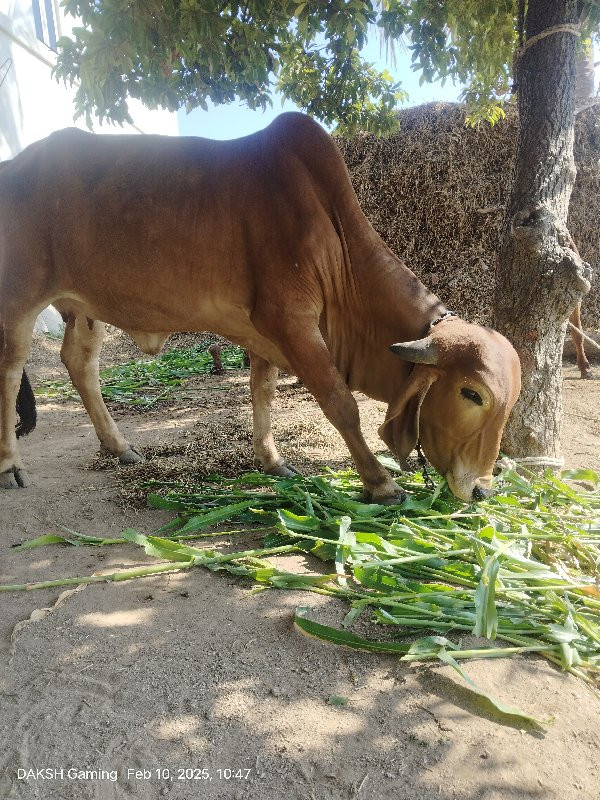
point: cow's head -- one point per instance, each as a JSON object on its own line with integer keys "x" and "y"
{"x": 462, "y": 387}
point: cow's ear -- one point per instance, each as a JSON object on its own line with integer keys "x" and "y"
{"x": 400, "y": 430}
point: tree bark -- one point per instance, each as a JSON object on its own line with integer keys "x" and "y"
{"x": 540, "y": 277}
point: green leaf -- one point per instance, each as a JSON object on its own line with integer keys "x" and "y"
{"x": 297, "y": 522}
{"x": 486, "y": 623}
{"x": 353, "y": 615}
{"x": 587, "y": 475}
{"x": 40, "y": 541}
{"x": 428, "y": 644}
{"x": 160, "y": 548}
{"x": 503, "y": 708}
{"x": 334, "y": 636}
{"x": 202, "y": 521}
{"x": 291, "y": 580}
{"x": 324, "y": 550}
{"x": 346, "y": 541}
{"x": 337, "y": 700}
{"x": 156, "y": 501}
{"x": 389, "y": 463}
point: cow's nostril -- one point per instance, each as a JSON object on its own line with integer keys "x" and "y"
{"x": 479, "y": 493}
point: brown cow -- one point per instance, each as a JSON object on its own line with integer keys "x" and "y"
{"x": 261, "y": 240}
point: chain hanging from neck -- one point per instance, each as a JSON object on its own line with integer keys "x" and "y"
{"x": 423, "y": 464}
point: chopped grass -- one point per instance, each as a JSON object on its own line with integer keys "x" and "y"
{"x": 146, "y": 382}
{"x": 521, "y": 568}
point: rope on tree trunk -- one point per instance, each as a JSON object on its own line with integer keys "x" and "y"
{"x": 567, "y": 27}
{"x": 585, "y": 336}
{"x": 530, "y": 461}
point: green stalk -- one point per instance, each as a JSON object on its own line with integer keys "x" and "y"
{"x": 490, "y": 652}
{"x": 414, "y": 559}
{"x": 239, "y": 556}
{"x": 126, "y": 575}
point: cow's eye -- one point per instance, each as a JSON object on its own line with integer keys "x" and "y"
{"x": 472, "y": 395}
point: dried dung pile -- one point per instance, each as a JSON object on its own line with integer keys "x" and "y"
{"x": 436, "y": 190}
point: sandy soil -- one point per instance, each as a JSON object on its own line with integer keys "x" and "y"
{"x": 154, "y": 681}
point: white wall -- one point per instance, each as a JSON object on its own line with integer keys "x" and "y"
{"x": 32, "y": 103}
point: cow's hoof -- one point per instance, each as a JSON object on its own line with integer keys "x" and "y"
{"x": 22, "y": 478}
{"x": 391, "y": 500}
{"x": 8, "y": 480}
{"x": 14, "y": 479}
{"x": 131, "y": 456}
{"x": 282, "y": 471}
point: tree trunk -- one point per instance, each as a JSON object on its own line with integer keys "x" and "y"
{"x": 540, "y": 277}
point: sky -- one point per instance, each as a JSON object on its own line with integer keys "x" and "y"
{"x": 229, "y": 122}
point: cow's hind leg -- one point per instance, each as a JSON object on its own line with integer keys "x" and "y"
{"x": 582, "y": 362}
{"x": 79, "y": 353}
{"x": 263, "y": 383}
{"x": 15, "y": 340}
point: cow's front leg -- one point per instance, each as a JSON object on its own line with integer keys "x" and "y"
{"x": 307, "y": 354}
{"x": 263, "y": 383}
{"x": 79, "y": 353}
{"x": 14, "y": 346}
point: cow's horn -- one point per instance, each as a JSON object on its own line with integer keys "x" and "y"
{"x": 421, "y": 351}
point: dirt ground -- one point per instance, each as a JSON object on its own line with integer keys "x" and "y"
{"x": 191, "y": 686}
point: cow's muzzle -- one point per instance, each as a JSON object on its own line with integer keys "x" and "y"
{"x": 480, "y": 493}
{"x": 467, "y": 487}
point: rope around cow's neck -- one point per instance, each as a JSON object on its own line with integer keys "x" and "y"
{"x": 441, "y": 318}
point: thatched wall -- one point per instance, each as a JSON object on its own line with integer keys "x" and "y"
{"x": 435, "y": 192}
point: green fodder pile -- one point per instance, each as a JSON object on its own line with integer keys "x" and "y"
{"x": 436, "y": 191}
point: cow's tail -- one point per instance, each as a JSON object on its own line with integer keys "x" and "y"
{"x": 25, "y": 408}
